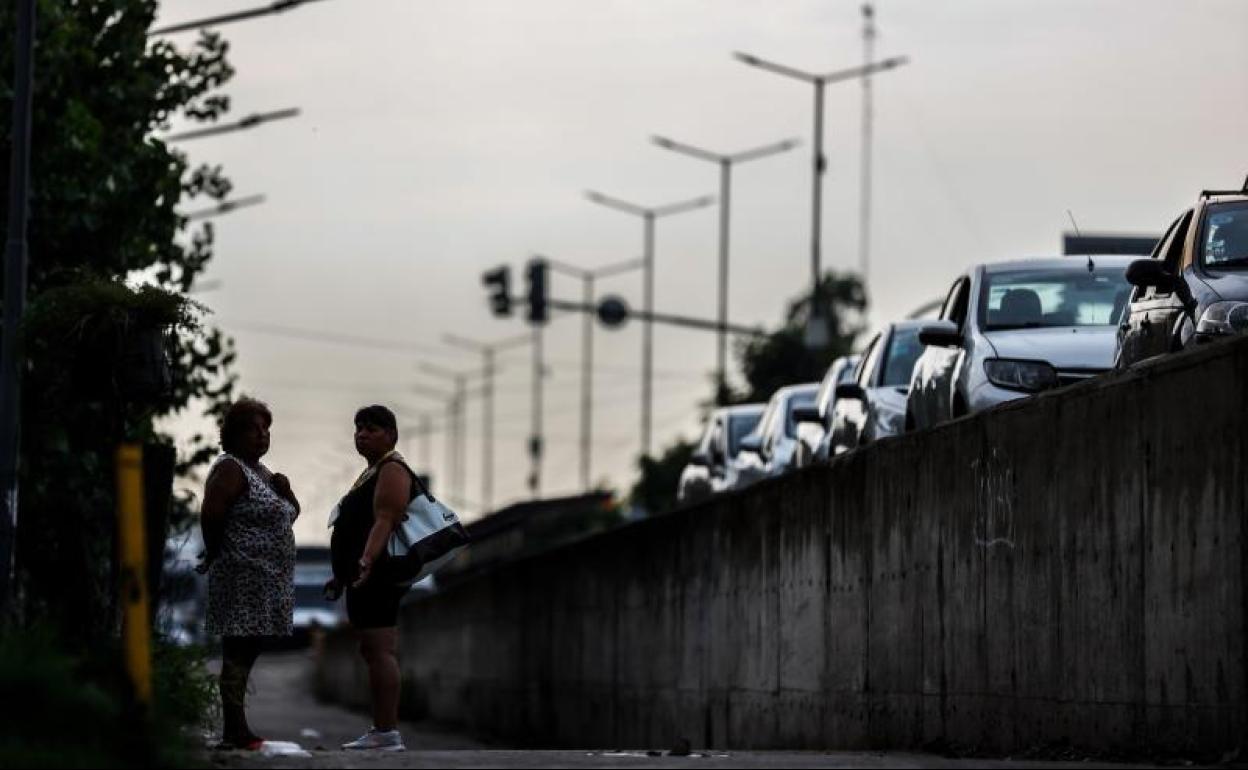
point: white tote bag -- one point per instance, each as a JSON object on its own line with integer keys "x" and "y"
{"x": 429, "y": 536}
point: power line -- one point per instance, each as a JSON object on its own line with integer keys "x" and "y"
{"x": 334, "y": 338}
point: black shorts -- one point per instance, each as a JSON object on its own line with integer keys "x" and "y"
{"x": 374, "y": 605}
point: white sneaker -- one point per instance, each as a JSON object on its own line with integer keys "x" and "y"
{"x": 376, "y": 740}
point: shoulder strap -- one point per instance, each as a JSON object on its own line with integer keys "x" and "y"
{"x": 420, "y": 487}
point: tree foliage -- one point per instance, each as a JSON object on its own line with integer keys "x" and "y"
{"x": 106, "y": 202}
{"x": 768, "y": 364}
{"x": 782, "y": 357}
{"x": 655, "y": 490}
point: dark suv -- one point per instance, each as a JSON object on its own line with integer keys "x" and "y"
{"x": 1194, "y": 288}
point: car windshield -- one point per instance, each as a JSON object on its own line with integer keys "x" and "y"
{"x": 1225, "y": 242}
{"x": 903, "y": 350}
{"x": 1051, "y": 297}
{"x": 739, "y": 426}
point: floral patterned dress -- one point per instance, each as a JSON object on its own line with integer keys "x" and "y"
{"x": 251, "y": 582}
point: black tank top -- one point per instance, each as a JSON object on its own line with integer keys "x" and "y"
{"x": 355, "y": 522}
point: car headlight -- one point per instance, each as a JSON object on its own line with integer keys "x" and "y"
{"x": 1224, "y": 318}
{"x": 1030, "y": 376}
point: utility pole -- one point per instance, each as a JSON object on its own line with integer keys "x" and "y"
{"x": 816, "y": 330}
{"x": 16, "y": 257}
{"x": 868, "y": 107}
{"x": 488, "y": 350}
{"x": 725, "y": 163}
{"x": 588, "y": 278}
{"x": 648, "y": 215}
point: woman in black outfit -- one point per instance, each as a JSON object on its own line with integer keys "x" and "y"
{"x": 367, "y": 516}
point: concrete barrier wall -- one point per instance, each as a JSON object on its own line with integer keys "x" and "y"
{"x": 1066, "y": 570}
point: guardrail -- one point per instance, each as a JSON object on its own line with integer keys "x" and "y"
{"x": 1069, "y": 569}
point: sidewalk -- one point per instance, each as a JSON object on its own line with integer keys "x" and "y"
{"x": 281, "y": 707}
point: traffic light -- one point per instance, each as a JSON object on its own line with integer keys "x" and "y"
{"x": 538, "y": 296}
{"x": 499, "y": 283}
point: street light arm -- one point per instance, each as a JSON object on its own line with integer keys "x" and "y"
{"x": 247, "y": 122}
{"x": 683, "y": 206}
{"x": 762, "y": 152}
{"x": 617, "y": 268}
{"x": 779, "y": 69}
{"x": 687, "y": 149}
{"x": 615, "y": 203}
{"x": 276, "y": 7}
{"x": 869, "y": 69}
{"x": 226, "y": 207}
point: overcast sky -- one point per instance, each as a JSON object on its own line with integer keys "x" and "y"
{"x": 440, "y": 138}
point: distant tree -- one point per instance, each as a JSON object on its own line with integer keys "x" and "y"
{"x": 655, "y": 490}
{"x": 107, "y": 206}
{"x": 768, "y": 364}
{"x": 782, "y": 358}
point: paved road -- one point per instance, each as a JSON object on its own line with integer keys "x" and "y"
{"x": 282, "y": 708}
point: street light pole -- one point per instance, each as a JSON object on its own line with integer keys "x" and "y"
{"x": 816, "y": 330}
{"x": 457, "y": 454}
{"x": 16, "y": 258}
{"x": 649, "y": 215}
{"x": 587, "y": 351}
{"x": 450, "y": 435}
{"x": 725, "y": 163}
{"x": 488, "y": 350}
{"x": 535, "y": 438}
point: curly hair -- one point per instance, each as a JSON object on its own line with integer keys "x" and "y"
{"x": 238, "y": 419}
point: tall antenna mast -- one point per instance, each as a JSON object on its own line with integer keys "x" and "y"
{"x": 864, "y": 213}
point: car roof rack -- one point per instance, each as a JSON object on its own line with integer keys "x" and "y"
{"x": 1219, "y": 193}
{"x": 1216, "y": 193}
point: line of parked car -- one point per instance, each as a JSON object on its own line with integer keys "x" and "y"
{"x": 1005, "y": 331}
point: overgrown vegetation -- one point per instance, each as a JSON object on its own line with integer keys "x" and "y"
{"x": 112, "y": 257}
{"x": 63, "y": 709}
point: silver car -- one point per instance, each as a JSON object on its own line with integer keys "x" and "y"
{"x": 1012, "y": 329}
{"x": 873, "y": 406}
{"x": 814, "y": 429}
{"x": 711, "y": 469}
{"x": 771, "y": 447}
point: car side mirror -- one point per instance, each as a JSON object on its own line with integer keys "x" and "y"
{"x": 752, "y": 443}
{"x": 807, "y": 414}
{"x": 850, "y": 391}
{"x": 1151, "y": 272}
{"x": 699, "y": 459}
{"x": 941, "y": 334}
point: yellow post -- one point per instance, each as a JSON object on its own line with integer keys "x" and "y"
{"x": 136, "y": 632}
